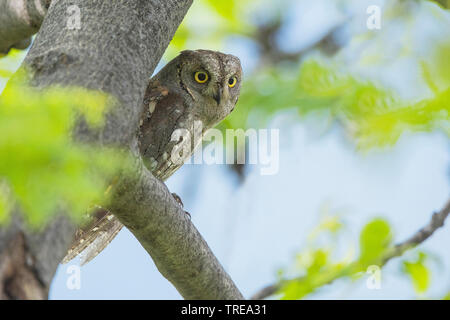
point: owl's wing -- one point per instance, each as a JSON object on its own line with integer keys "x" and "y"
{"x": 103, "y": 226}
{"x": 164, "y": 112}
{"x": 90, "y": 240}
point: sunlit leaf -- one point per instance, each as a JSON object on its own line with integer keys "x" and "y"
{"x": 374, "y": 240}
{"x": 419, "y": 273}
{"x": 42, "y": 167}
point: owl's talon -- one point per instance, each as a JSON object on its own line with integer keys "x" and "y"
{"x": 177, "y": 199}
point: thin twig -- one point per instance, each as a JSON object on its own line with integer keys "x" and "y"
{"x": 436, "y": 222}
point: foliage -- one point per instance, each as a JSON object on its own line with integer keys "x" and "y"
{"x": 209, "y": 22}
{"x": 42, "y": 169}
{"x": 370, "y": 112}
{"x": 419, "y": 273}
{"x": 317, "y": 265}
{"x": 375, "y": 238}
{"x": 373, "y": 116}
{"x": 443, "y": 3}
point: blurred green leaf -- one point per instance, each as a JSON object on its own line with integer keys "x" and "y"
{"x": 42, "y": 167}
{"x": 374, "y": 240}
{"x": 224, "y": 8}
{"x": 315, "y": 266}
{"x": 419, "y": 273}
{"x": 371, "y": 115}
{"x": 436, "y": 71}
{"x": 318, "y": 270}
{"x": 443, "y": 3}
{"x": 12, "y": 59}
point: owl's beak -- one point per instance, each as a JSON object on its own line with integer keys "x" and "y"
{"x": 221, "y": 94}
{"x": 217, "y": 96}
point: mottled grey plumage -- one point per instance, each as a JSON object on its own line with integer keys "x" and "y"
{"x": 175, "y": 101}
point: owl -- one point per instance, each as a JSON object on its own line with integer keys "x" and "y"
{"x": 191, "y": 94}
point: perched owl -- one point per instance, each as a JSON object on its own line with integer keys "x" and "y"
{"x": 190, "y": 95}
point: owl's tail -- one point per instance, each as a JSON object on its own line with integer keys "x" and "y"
{"x": 91, "y": 239}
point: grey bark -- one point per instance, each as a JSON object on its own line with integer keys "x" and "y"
{"x": 116, "y": 50}
{"x": 148, "y": 209}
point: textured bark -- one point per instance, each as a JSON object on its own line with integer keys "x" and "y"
{"x": 147, "y": 208}
{"x": 28, "y": 260}
{"x": 18, "y": 279}
{"x": 116, "y": 50}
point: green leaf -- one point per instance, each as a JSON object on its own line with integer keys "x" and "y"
{"x": 374, "y": 240}
{"x": 419, "y": 273}
{"x": 224, "y": 8}
{"x": 43, "y": 169}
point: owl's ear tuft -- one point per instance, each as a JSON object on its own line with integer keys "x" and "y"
{"x": 186, "y": 52}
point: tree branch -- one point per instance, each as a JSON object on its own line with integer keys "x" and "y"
{"x": 148, "y": 209}
{"x": 19, "y": 20}
{"x": 116, "y": 50}
{"x": 436, "y": 222}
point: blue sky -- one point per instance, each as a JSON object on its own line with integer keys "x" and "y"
{"x": 257, "y": 227}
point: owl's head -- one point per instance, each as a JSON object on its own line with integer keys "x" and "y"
{"x": 210, "y": 79}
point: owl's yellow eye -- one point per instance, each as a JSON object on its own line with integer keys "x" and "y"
{"x": 232, "y": 82}
{"x": 201, "y": 76}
